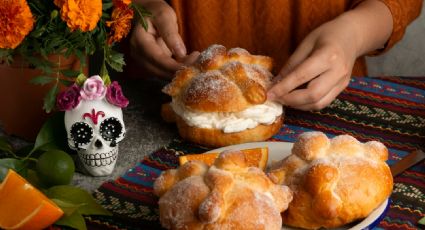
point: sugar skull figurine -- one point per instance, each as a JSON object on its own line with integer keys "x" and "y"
{"x": 94, "y": 122}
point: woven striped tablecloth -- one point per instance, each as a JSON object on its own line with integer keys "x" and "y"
{"x": 388, "y": 109}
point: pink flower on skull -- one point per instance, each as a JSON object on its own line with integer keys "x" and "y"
{"x": 115, "y": 96}
{"x": 69, "y": 98}
{"x": 93, "y": 88}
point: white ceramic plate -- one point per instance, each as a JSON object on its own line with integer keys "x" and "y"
{"x": 279, "y": 150}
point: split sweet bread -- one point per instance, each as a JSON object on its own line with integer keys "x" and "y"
{"x": 335, "y": 181}
{"x": 227, "y": 195}
{"x": 222, "y": 99}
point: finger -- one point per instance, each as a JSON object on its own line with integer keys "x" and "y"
{"x": 164, "y": 47}
{"x": 165, "y": 22}
{"x": 312, "y": 67}
{"x": 315, "y": 91}
{"x": 191, "y": 58}
{"x": 150, "y": 67}
{"x": 300, "y": 54}
{"x": 328, "y": 98}
{"x": 154, "y": 53}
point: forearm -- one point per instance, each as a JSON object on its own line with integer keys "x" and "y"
{"x": 371, "y": 23}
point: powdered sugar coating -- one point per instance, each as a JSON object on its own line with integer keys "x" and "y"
{"x": 210, "y": 206}
{"x": 222, "y": 81}
{"x": 309, "y": 135}
{"x": 345, "y": 181}
{"x": 210, "y": 86}
{"x": 254, "y": 72}
{"x": 237, "y": 50}
{"x": 180, "y": 203}
{"x": 222, "y": 199}
{"x": 209, "y": 53}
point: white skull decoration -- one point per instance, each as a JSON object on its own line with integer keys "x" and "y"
{"x": 95, "y": 126}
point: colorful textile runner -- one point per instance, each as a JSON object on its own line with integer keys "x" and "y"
{"x": 390, "y": 110}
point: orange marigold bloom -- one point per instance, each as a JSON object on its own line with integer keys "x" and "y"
{"x": 127, "y": 2}
{"x": 16, "y": 21}
{"x": 80, "y": 14}
{"x": 120, "y": 23}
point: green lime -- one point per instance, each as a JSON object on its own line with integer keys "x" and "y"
{"x": 55, "y": 167}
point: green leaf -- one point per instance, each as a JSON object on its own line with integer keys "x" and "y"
{"x": 50, "y": 146}
{"x": 40, "y": 63}
{"x": 52, "y": 131}
{"x": 5, "y": 146}
{"x": 75, "y": 220}
{"x": 41, "y": 80}
{"x": 32, "y": 177}
{"x": 74, "y": 195}
{"x": 103, "y": 70}
{"x": 81, "y": 56}
{"x": 66, "y": 82}
{"x": 50, "y": 98}
{"x": 422, "y": 221}
{"x": 106, "y": 80}
{"x": 70, "y": 73}
{"x": 67, "y": 207}
{"x": 115, "y": 60}
{"x": 12, "y": 163}
{"x": 39, "y": 32}
{"x": 6, "y": 56}
{"x": 141, "y": 13}
{"x": 106, "y": 5}
{"x": 80, "y": 79}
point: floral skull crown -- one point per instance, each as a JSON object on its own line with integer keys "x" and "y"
{"x": 92, "y": 88}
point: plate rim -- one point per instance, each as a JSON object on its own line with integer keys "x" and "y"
{"x": 367, "y": 223}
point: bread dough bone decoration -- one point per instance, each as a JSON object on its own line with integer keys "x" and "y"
{"x": 95, "y": 125}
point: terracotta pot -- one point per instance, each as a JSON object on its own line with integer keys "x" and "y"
{"x": 21, "y": 110}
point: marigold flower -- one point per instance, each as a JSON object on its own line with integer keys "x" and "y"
{"x": 16, "y": 21}
{"x": 80, "y": 14}
{"x": 120, "y": 23}
{"x": 127, "y": 2}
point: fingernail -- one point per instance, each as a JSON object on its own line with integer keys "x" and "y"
{"x": 180, "y": 50}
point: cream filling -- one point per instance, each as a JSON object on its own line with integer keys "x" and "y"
{"x": 229, "y": 122}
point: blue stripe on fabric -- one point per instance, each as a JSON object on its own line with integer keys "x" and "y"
{"x": 419, "y": 168}
{"x": 142, "y": 175}
{"x": 289, "y": 133}
{"x": 388, "y": 89}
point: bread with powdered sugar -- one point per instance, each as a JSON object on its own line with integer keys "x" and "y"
{"x": 224, "y": 83}
{"x": 335, "y": 181}
{"x": 227, "y": 195}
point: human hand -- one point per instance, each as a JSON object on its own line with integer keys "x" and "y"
{"x": 159, "y": 50}
{"x": 322, "y": 62}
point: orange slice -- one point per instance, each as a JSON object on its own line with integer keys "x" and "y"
{"x": 24, "y": 207}
{"x": 256, "y": 157}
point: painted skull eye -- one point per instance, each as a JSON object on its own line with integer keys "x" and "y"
{"x": 110, "y": 129}
{"x": 81, "y": 133}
